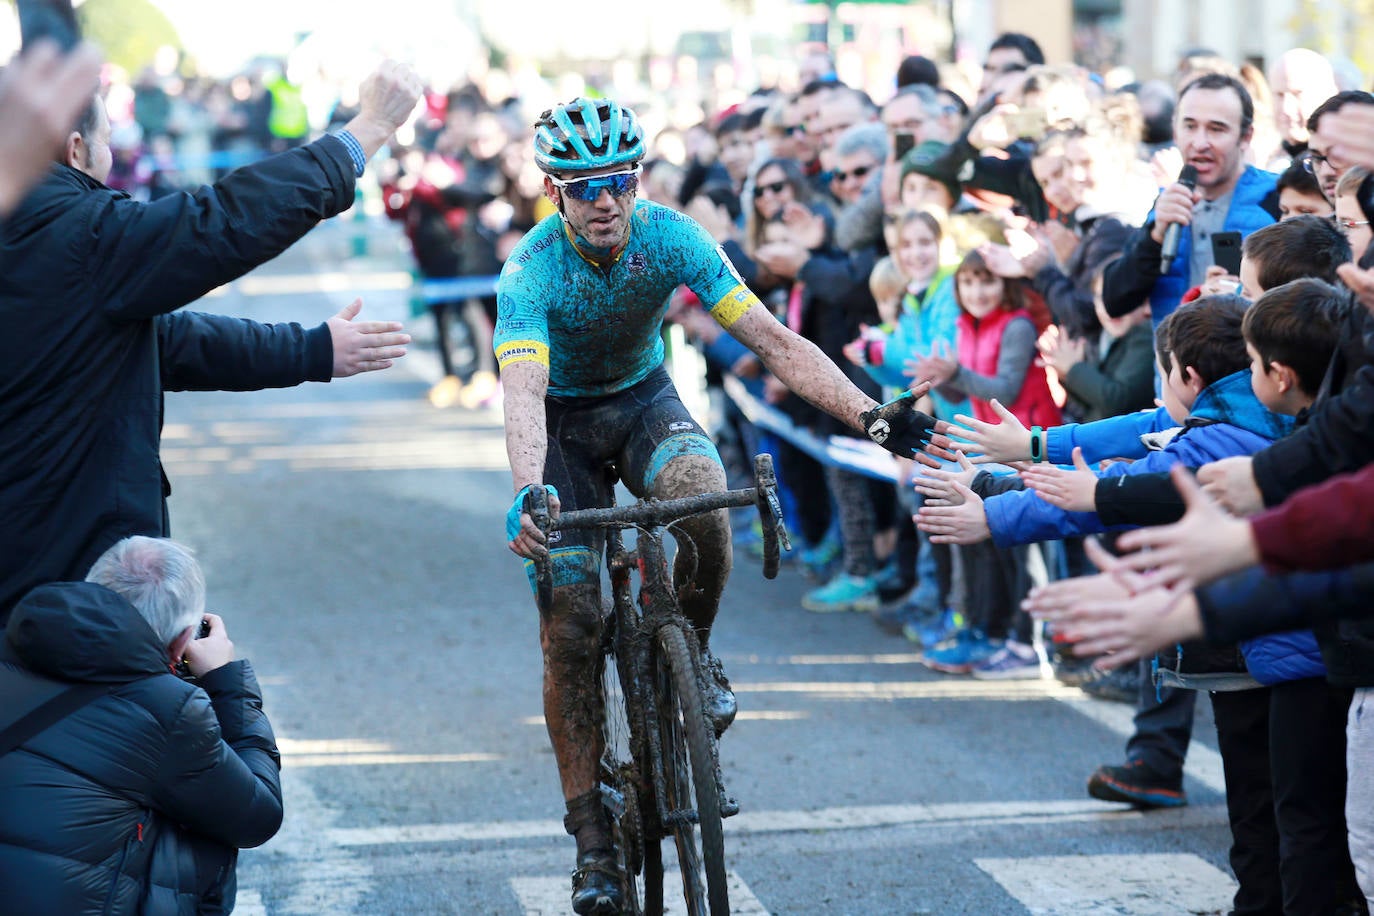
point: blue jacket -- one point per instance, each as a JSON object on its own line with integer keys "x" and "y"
{"x": 1114, "y": 437}
{"x": 1227, "y": 420}
{"x": 920, "y": 328}
{"x": 1135, "y": 276}
{"x": 1245, "y": 215}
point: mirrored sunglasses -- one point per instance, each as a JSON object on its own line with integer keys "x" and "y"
{"x": 588, "y": 189}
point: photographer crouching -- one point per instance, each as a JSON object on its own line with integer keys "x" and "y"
{"x": 128, "y": 789}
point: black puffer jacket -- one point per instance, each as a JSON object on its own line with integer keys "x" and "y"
{"x": 136, "y": 802}
{"x": 87, "y": 277}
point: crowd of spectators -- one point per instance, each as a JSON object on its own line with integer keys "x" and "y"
{"x": 1029, "y": 248}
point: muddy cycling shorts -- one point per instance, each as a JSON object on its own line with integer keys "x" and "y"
{"x": 637, "y": 432}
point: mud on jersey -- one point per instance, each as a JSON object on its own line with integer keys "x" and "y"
{"x": 597, "y": 329}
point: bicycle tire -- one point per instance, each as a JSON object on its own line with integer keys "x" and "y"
{"x": 634, "y": 820}
{"x": 690, "y": 778}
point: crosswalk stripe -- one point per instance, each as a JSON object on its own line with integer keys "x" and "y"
{"x": 249, "y": 903}
{"x": 760, "y": 822}
{"x": 1164, "y": 884}
{"x": 548, "y": 896}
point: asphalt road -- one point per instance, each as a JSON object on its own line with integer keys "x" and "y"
{"x": 352, "y": 540}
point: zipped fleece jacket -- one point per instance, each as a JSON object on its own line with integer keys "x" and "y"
{"x": 137, "y": 801}
{"x": 88, "y": 278}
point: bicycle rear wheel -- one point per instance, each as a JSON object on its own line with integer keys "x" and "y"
{"x": 690, "y": 775}
{"x": 634, "y": 818}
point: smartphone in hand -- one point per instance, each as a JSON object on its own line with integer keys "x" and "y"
{"x": 1226, "y": 252}
{"x": 51, "y": 19}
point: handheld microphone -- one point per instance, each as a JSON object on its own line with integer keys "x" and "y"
{"x": 1169, "y": 250}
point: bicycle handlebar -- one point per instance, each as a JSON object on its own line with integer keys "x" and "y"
{"x": 658, "y": 513}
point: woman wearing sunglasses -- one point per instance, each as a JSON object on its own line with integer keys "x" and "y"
{"x": 580, "y": 309}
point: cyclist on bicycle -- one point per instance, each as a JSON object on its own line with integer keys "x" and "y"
{"x": 581, "y": 303}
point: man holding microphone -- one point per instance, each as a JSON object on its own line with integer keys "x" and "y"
{"x": 1213, "y": 124}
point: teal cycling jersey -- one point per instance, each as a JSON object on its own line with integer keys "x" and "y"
{"x": 597, "y": 328}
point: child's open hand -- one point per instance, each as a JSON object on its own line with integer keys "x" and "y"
{"x": 1072, "y": 491}
{"x": 965, "y": 523}
{"x": 1202, "y": 546}
{"x": 1005, "y": 441}
{"x": 937, "y": 485}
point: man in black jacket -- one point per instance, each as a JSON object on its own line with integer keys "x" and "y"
{"x": 138, "y": 799}
{"x": 89, "y": 279}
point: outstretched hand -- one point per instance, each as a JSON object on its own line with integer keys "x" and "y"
{"x": 1005, "y": 441}
{"x": 1231, "y": 482}
{"x": 1202, "y": 546}
{"x": 386, "y": 100}
{"x": 963, "y": 523}
{"x": 1072, "y": 491}
{"x": 364, "y": 346}
{"x": 1116, "y": 614}
{"x": 898, "y": 426}
{"x": 1125, "y": 631}
{"x": 937, "y": 485}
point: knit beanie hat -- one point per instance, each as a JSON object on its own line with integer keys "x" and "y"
{"x": 928, "y": 159}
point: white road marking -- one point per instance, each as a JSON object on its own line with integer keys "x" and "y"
{"x": 328, "y": 877}
{"x": 540, "y": 896}
{"x": 249, "y": 903}
{"x": 1139, "y": 884}
{"x": 759, "y": 822}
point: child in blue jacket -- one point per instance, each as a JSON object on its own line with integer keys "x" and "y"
{"x": 1281, "y": 744}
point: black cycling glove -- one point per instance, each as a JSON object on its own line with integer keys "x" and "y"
{"x": 898, "y": 426}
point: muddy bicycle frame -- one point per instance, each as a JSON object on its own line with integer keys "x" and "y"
{"x": 672, "y": 747}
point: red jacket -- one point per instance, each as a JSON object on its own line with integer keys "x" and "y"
{"x": 1326, "y": 526}
{"x": 980, "y": 342}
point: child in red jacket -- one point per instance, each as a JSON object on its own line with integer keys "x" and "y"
{"x": 997, "y": 333}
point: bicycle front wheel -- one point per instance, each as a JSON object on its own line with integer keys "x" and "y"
{"x": 690, "y": 775}
{"x": 634, "y": 821}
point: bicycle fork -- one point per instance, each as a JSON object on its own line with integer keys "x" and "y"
{"x": 658, "y": 607}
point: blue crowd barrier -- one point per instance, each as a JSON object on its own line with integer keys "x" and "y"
{"x": 453, "y": 288}
{"x": 858, "y": 455}
{"x": 219, "y": 159}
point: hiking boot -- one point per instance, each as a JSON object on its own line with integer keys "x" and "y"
{"x": 1015, "y": 661}
{"x": 931, "y": 632}
{"x": 1137, "y": 784}
{"x": 596, "y": 885}
{"x": 959, "y": 655}
{"x": 717, "y": 696}
{"x": 842, "y": 593}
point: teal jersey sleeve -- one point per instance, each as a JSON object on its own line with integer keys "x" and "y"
{"x": 597, "y": 326}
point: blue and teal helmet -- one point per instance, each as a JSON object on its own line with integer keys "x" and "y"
{"x": 587, "y": 134}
